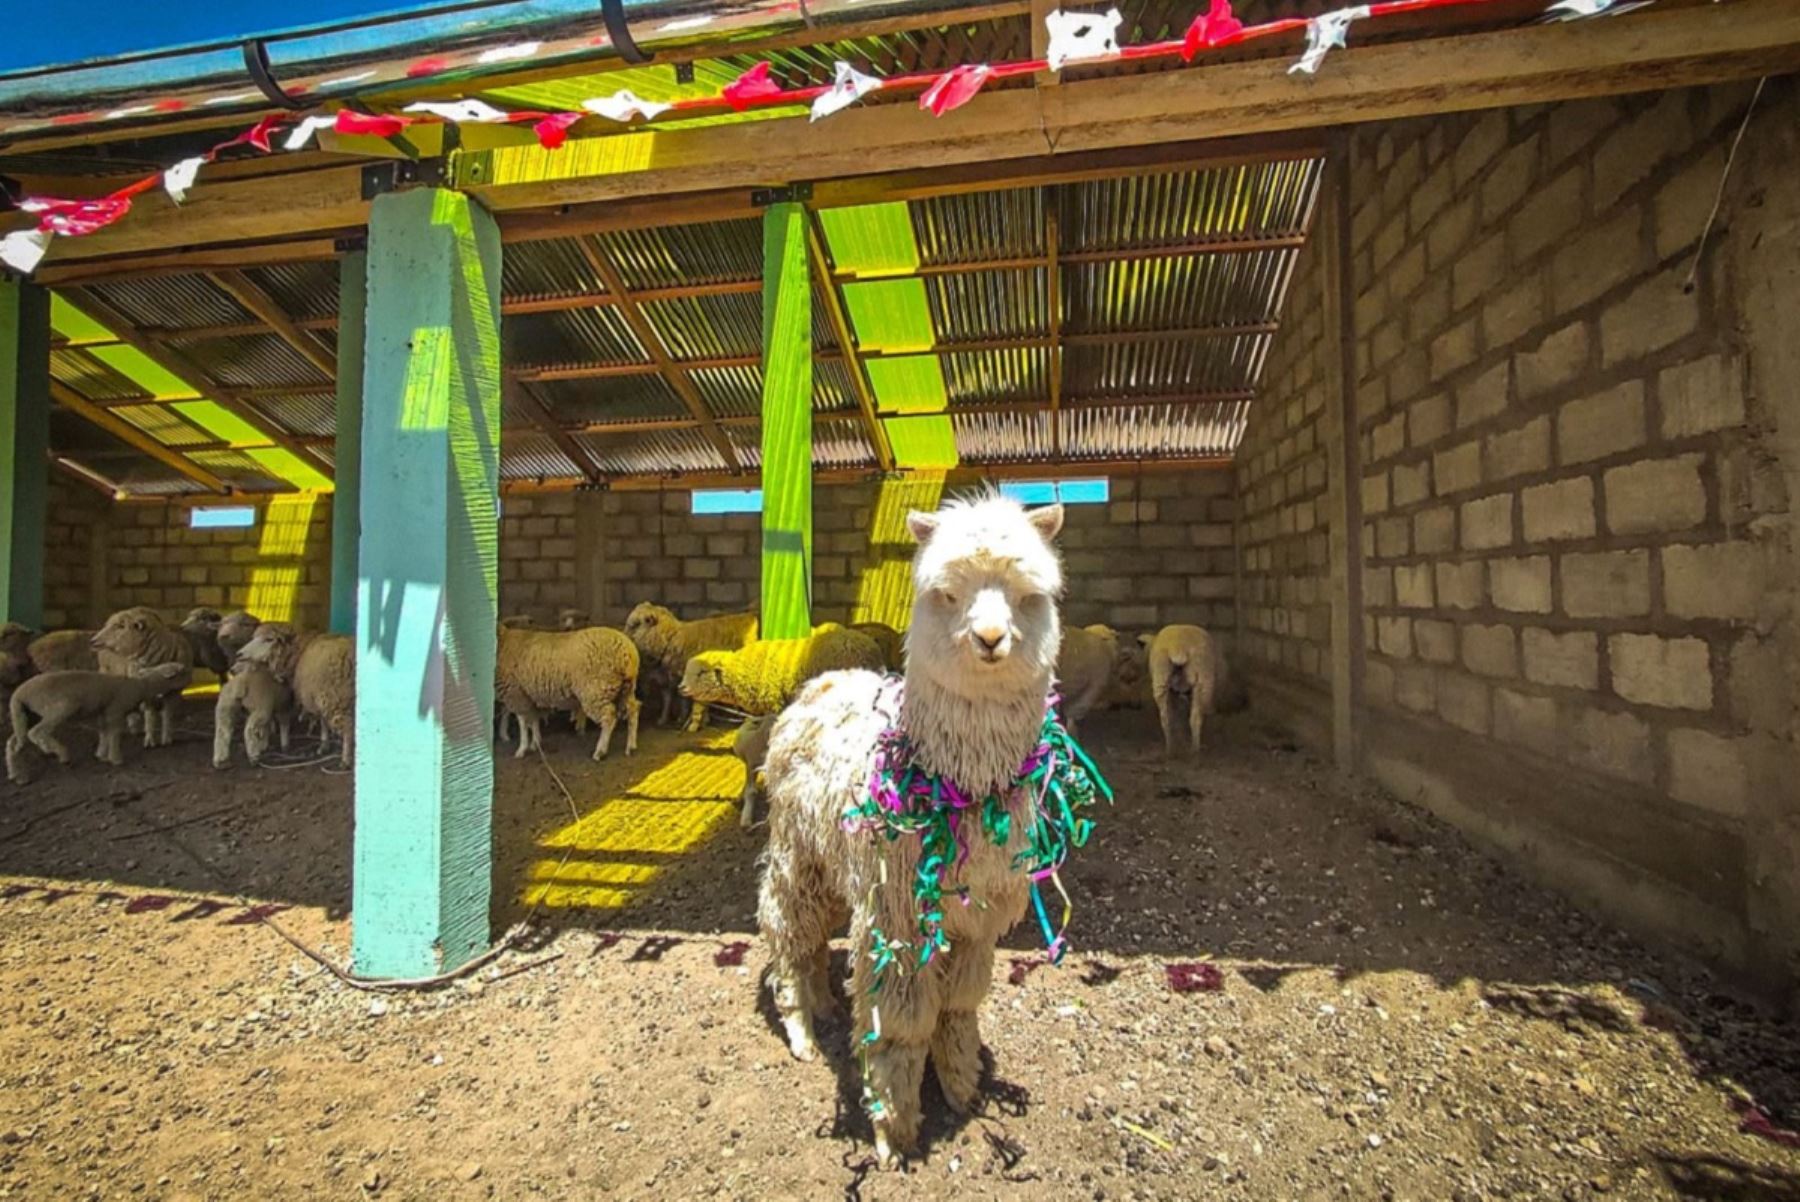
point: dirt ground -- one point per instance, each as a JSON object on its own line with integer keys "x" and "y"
{"x": 1397, "y": 1016}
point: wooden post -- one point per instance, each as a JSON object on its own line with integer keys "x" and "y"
{"x": 346, "y": 503}
{"x": 1344, "y": 463}
{"x": 786, "y": 425}
{"x": 429, "y": 582}
{"x": 24, "y": 448}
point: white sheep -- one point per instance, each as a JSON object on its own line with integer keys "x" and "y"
{"x": 64, "y": 651}
{"x": 1184, "y": 664}
{"x": 136, "y": 639}
{"x": 54, "y": 698}
{"x": 980, "y": 654}
{"x": 1086, "y": 670}
{"x": 236, "y": 629}
{"x": 593, "y": 670}
{"x": 891, "y": 642}
{"x": 765, "y": 676}
{"x": 752, "y": 746}
{"x": 663, "y": 637}
{"x": 321, "y": 671}
{"x": 201, "y": 628}
{"x": 254, "y": 690}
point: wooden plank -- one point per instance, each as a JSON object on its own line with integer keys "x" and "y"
{"x": 69, "y": 467}
{"x": 527, "y": 399}
{"x": 184, "y": 261}
{"x": 24, "y": 448}
{"x": 652, "y": 345}
{"x": 873, "y": 430}
{"x": 246, "y": 292}
{"x": 179, "y": 365}
{"x": 129, "y": 434}
{"x": 1053, "y": 308}
{"x": 1343, "y": 443}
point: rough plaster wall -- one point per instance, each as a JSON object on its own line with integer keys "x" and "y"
{"x": 1578, "y": 584}
{"x": 76, "y": 519}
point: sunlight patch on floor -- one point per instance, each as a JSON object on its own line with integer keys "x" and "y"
{"x": 671, "y": 811}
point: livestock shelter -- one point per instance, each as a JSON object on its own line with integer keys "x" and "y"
{"x": 1452, "y": 383}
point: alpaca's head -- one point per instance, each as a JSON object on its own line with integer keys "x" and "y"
{"x": 986, "y": 582}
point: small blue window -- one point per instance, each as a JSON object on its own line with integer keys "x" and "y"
{"x": 728, "y": 500}
{"x": 222, "y": 517}
{"x": 1069, "y": 492}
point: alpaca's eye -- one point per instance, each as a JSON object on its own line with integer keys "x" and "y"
{"x": 946, "y": 597}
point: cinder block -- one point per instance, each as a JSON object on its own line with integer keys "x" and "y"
{"x": 1375, "y": 493}
{"x": 1510, "y": 315}
{"x": 1394, "y": 637}
{"x": 1601, "y": 425}
{"x": 1428, "y": 420}
{"x": 1434, "y": 530}
{"x": 1415, "y": 688}
{"x": 1457, "y": 468}
{"x": 1709, "y": 771}
{"x": 1488, "y": 522}
{"x": 1521, "y": 585}
{"x": 1465, "y": 702}
{"x": 1606, "y": 584}
{"x": 1674, "y": 673}
{"x": 1548, "y": 216}
{"x": 1728, "y": 581}
{"x": 1436, "y": 640}
{"x": 1617, "y": 744}
{"x": 1485, "y": 396}
{"x": 1455, "y": 348}
{"x": 1527, "y": 721}
{"x": 1594, "y": 262}
{"x": 1413, "y": 586}
{"x": 1378, "y": 587}
{"x": 1567, "y": 660}
{"x": 1701, "y": 396}
{"x": 1411, "y": 483}
{"x": 1490, "y": 650}
{"x": 1652, "y": 316}
{"x": 1656, "y": 494}
{"x": 1388, "y": 438}
{"x": 1461, "y": 585}
{"x": 1560, "y": 510}
{"x": 1560, "y": 359}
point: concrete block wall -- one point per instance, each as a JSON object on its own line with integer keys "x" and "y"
{"x": 1578, "y": 581}
{"x": 76, "y": 518}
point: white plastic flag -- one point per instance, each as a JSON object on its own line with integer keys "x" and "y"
{"x": 459, "y": 111}
{"x": 847, "y": 87}
{"x": 624, "y": 105}
{"x": 179, "y": 178}
{"x": 1323, "y": 33}
{"x": 303, "y": 133}
{"x": 1574, "y": 10}
{"x": 23, "y": 250}
{"x": 1081, "y": 35}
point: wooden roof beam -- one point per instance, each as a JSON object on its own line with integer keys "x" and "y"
{"x": 135, "y": 438}
{"x": 246, "y": 292}
{"x": 526, "y": 397}
{"x": 873, "y": 430}
{"x": 652, "y": 344}
{"x": 1053, "y": 309}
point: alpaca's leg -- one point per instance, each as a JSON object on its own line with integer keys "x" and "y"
{"x": 956, "y": 1042}
{"x": 819, "y": 1002}
{"x": 896, "y": 1070}
{"x": 794, "y": 913}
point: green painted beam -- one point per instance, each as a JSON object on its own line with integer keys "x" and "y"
{"x": 428, "y": 604}
{"x": 24, "y": 448}
{"x": 346, "y": 503}
{"x": 787, "y": 540}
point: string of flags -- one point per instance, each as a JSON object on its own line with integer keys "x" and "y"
{"x": 1074, "y": 38}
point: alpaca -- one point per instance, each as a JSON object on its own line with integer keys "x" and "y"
{"x": 971, "y": 708}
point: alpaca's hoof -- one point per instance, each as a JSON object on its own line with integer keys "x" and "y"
{"x": 800, "y": 1039}
{"x": 962, "y": 1103}
{"x": 888, "y": 1152}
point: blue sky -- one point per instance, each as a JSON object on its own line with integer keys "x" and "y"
{"x": 38, "y": 34}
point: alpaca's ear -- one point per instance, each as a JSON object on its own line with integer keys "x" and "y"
{"x": 1048, "y": 520}
{"x": 922, "y": 525}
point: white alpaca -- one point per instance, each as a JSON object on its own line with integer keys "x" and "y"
{"x": 980, "y": 654}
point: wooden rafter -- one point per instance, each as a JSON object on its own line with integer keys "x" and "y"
{"x": 846, "y": 338}
{"x": 526, "y": 397}
{"x": 129, "y": 434}
{"x": 672, "y": 373}
{"x": 248, "y": 293}
{"x": 177, "y": 364}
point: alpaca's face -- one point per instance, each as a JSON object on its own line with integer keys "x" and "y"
{"x": 986, "y": 582}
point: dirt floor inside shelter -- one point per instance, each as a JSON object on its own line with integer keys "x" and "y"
{"x": 1397, "y": 1017}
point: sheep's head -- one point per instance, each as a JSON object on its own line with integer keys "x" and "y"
{"x": 128, "y": 632}
{"x": 1132, "y": 664}
{"x": 985, "y": 582}
{"x": 649, "y": 625}
{"x": 573, "y": 619}
{"x": 704, "y": 678}
{"x": 202, "y": 622}
{"x": 274, "y": 645}
{"x": 236, "y": 629}
{"x": 14, "y": 638}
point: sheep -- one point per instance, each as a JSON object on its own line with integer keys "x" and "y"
{"x": 56, "y": 697}
{"x": 321, "y": 671}
{"x": 1131, "y": 680}
{"x": 1086, "y": 670}
{"x": 236, "y": 629}
{"x": 752, "y": 746}
{"x": 594, "y": 670}
{"x": 1184, "y": 662}
{"x": 573, "y": 619}
{"x": 201, "y": 628}
{"x": 980, "y": 655}
{"x": 137, "y": 639}
{"x": 663, "y": 637}
{"x": 64, "y": 651}
{"x": 765, "y": 676}
{"x": 891, "y": 642}
{"x": 264, "y": 700}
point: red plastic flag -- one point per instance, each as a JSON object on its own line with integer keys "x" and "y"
{"x": 954, "y": 88}
{"x": 1210, "y": 28}
{"x": 379, "y": 125}
{"x": 553, "y": 130}
{"x": 751, "y": 86}
{"x": 257, "y": 135}
{"x": 73, "y": 218}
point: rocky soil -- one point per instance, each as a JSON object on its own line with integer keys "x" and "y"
{"x": 1282, "y": 987}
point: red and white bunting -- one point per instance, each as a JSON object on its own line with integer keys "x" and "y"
{"x": 1211, "y": 28}
{"x": 954, "y": 88}
{"x": 461, "y": 112}
{"x": 623, "y": 105}
{"x": 178, "y": 179}
{"x": 848, "y": 85}
{"x": 1075, "y": 36}
{"x": 1325, "y": 32}
{"x": 23, "y": 250}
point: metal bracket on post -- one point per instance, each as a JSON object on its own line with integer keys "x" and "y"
{"x": 350, "y": 244}
{"x": 762, "y": 198}
{"x": 402, "y": 173}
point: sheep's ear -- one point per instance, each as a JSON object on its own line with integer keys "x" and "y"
{"x": 1048, "y": 520}
{"x": 922, "y": 525}
{"x": 1144, "y": 640}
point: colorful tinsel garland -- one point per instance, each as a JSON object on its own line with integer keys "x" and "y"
{"x": 905, "y": 799}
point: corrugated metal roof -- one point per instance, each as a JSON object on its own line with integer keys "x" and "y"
{"x": 302, "y": 290}
{"x": 612, "y": 399}
{"x": 303, "y": 412}
{"x": 250, "y": 361}
{"x": 172, "y": 301}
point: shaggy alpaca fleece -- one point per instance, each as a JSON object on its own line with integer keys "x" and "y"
{"x": 980, "y": 653}
{"x": 765, "y": 676}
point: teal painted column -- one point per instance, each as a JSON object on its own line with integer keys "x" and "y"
{"x": 428, "y": 589}
{"x": 346, "y": 502}
{"x": 787, "y": 540}
{"x": 24, "y": 448}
